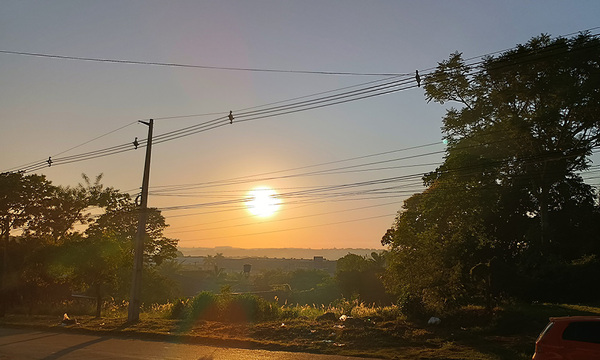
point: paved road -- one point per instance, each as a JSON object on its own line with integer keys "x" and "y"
{"x": 46, "y": 345}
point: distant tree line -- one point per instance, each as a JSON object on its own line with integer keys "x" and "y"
{"x": 57, "y": 241}
{"x": 356, "y": 277}
{"x": 507, "y": 214}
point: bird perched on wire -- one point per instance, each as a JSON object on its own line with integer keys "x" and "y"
{"x": 418, "y": 78}
{"x": 49, "y": 161}
{"x": 231, "y": 117}
{"x": 136, "y": 143}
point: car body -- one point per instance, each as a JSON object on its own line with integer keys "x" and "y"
{"x": 569, "y": 338}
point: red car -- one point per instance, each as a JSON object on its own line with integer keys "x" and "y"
{"x": 569, "y": 338}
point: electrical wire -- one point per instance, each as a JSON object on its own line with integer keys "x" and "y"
{"x": 259, "y": 114}
{"x": 471, "y": 169}
{"x": 280, "y": 101}
{"x": 165, "y": 189}
{"x": 456, "y": 188}
{"x": 294, "y": 229}
{"x": 280, "y": 220}
{"x": 191, "y": 66}
{"x": 249, "y": 179}
{"x": 205, "y": 126}
{"x": 326, "y": 191}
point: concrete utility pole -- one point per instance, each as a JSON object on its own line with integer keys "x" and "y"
{"x": 138, "y": 260}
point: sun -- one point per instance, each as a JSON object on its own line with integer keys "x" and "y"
{"x": 263, "y": 201}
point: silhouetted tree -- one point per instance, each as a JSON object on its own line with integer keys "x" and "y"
{"x": 48, "y": 255}
{"x": 22, "y": 200}
{"x": 360, "y": 277}
{"x": 529, "y": 119}
{"x": 510, "y": 186}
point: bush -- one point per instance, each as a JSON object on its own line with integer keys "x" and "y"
{"x": 412, "y": 306}
{"x": 225, "y": 307}
{"x": 179, "y": 309}
{"x": 204, "y": 306}
{"x": 323, "y": 294}
{"x": 290, "y": 312}
{"x": 247, "y": 307}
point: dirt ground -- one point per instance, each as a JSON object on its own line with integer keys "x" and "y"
{"x": 353, "y": 337}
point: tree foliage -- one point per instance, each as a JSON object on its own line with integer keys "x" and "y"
{"x": 72, "y": 238}
{"x": 360, "y": 277}
{"x": 510, "y": 188}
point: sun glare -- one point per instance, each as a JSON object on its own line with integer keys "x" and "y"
{"x": 263, "y": 201}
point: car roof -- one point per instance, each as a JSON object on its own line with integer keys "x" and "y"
{"x": 576, "y": 318}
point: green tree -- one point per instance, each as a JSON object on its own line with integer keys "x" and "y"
{"x": 306, "y": 279}
{"x": 509, "y": 188}
{"x": 50, "y": 256}
{"x": 93, "y": 264}
{"x": 530, "y": 116}
{"x": 360, "y": 277}
{"x": 22, "y": 200}
{"x": 120, "y": 220}
{"x": 436, "y": 238}
{"x": 61, "y": 256}
{"x": 109, "y": 243}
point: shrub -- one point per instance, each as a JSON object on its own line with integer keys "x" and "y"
{"x": 247, "y": 307}
{"x": 204, "y": 306}
{"x": 179, "y": 309}
{"x": 392, "y": 312}
{"x": 412, "y": 306}
{"x": 225, "y": 307}
{"x": 290, "y": 312}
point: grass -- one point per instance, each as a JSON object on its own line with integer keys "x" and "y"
{"x": 508, "y": 332}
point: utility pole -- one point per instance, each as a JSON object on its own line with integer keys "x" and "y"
{"x": 138, "y": 260}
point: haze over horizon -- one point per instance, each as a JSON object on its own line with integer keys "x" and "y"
{"x": 77, "y": 78}
{"x": 281, "y": 253}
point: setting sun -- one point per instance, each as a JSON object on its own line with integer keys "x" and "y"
{"x": 263, "y": 201}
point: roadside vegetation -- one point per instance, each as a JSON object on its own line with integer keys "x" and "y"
{"x": 470, "y": 332}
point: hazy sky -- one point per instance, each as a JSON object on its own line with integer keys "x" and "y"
{"x": 49, "y": 106}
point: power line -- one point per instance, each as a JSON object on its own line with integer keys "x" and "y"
{"x": 464, "y": 171}
{"x": 96, "y": 138}
{"x": 207, "y": 67}
{"x": 267, "y": 176}
{"x": 222, "y": 121}
{"x": 191, "y": 66}
{"x": 280, "y": 101}
{"x": 205, "y": 126}
{"x": 296, "y": 228}
{"x": 332, "y": 196}
{"x": 214, "y": 193}
{"x": 461, "y": 171}
{"x": 280, "y": 220}
{"x": 300, "y": 193}
{"x": 326, "y": 191}
{"x": 359, "y": 94}
{"x": 261, "y": 176}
